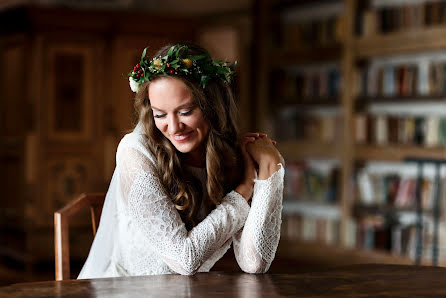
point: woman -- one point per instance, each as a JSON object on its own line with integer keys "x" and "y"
{"x": 180, "y": 192}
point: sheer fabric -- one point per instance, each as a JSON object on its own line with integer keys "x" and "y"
{"x": 141, "y": 232}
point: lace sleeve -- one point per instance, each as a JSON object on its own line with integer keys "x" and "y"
{"x": 255, "y": 246}
{"x": 156, "y": 216}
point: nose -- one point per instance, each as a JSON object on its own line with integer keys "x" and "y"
{"x": 174, "y": 125}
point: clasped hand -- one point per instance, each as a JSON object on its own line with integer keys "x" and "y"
{"x": 261, "y": 159}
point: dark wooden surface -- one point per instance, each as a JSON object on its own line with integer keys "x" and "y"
{"x": 371, "y": 280}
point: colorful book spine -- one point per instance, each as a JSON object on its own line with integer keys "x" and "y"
{"x": 380, "y": 130}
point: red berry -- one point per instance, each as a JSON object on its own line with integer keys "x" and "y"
{"x": 137, "y": 65}
{"x": 176, "y": 68}
{"x": 168, "y": 65}
{"x": 137, "y": 75}
{"x": 135, "y": 69}
{"x": 140, "y": 71}
{"x": 171, "y": 71}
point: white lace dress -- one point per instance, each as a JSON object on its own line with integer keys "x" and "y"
{"x": 141, "y": 232}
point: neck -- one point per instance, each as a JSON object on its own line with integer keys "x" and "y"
{"x": 196, "y": 158}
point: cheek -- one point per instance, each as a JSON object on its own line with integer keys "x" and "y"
{"x": 201, "y": 124}
{"x": 160, "y": 125}
{"x": 205, "y": 129}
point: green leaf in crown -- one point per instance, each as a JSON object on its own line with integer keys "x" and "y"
{"x": 177, "y": 62}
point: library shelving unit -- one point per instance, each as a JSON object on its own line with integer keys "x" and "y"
{"x": 355, "y": 36}
{"x": 301, "y": 96}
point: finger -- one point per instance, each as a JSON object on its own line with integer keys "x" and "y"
{"x": 264, "y": 139}
{"x": 269, "y": 140}
{"x": 252, "y": 134}
{"x": 245, "y": 141}
{"x": 246, "y": 156}
{"x": 250, "y": 146}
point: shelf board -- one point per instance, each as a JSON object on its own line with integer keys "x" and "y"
{"x": 426, "y": 39}
{"x": 398, "y": 152}
{"x": 290, "y": 4}
{"x": 305, "y": 55}
{"x": 299, "y": 149}
{"x": 310, "y": 103}
{"x": 314, "y": 209}
{"x": 365, "y": 100}
{"x": 362, "y": 209}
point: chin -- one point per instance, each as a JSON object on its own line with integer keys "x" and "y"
{"x": 184, "y": 148}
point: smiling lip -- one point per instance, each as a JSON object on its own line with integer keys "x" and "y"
{"x": 182, "y": 137}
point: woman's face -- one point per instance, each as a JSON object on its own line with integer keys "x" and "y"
{"x": 178, "y": 117}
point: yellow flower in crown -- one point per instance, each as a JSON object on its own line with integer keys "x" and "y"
{"x": 187, "y": 62}
{"x": 158, "y": 64}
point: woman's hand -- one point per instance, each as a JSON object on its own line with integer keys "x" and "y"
{"x": 265, "y": 155}
{"x": 246, "y": 186}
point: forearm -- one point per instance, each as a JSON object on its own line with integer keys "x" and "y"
{"x": 209, "y": 235}
{"x": 184, "y": 251}
{"x": 256, "y": 245}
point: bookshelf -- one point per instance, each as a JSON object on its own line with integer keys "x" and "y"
{"x": 319, "y": 62}
{"x": 308, "y": 149}
{"x": 397, "y": 152}
{"x": 358, "y": 45}
{"x": 419, "y": 40}
{"x": 306, "y": 54}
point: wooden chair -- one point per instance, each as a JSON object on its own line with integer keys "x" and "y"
{"x": 61, "y": 234}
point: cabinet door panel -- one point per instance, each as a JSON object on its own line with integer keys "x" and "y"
{"x": 70, "y": 93}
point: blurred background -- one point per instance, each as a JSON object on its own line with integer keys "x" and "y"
{"x": 353, "y": 91}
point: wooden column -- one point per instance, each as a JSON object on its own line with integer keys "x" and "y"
{"x": 347, "y": 98}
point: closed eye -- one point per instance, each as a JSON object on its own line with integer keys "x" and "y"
{"x": 186, "y": 113}
{"x": 159, "y": 115}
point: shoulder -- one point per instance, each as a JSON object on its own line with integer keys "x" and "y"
{"x": 135, "y": 142}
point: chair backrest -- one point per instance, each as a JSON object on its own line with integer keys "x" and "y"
{"x": 94, "y": 201}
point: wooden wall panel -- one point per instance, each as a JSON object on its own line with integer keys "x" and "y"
{"x": 71, "y": 102}
{"x": 12, "y": 99}
{"x": 65, "y": 103}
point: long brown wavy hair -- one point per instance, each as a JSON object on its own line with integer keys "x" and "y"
{"x": 223, "y": 159}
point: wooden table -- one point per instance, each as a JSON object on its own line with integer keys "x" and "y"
{"x": 351, "y": 281}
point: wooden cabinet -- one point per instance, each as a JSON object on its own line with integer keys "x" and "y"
{"x": 64, "y": 105}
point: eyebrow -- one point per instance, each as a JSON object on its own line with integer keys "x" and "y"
{"x": 189, "y": 104}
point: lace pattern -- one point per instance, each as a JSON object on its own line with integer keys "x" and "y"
{"x": 255, "y": 246}
{"x": 151, "y": 211}
{"x": 150, "y": 238}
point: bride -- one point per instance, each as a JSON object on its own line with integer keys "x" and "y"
{"x": 185, "y": 186}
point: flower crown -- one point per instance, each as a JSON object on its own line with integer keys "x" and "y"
{"x": 179, "y": 63}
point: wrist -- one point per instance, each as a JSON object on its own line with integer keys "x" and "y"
{"x": 268, "y": 168}
{"x": 245, "y": 190}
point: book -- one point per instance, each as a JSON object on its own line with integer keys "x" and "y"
{"x": 442, "y": 131}
{"x": 381, "y": 129}
{"x": 420, "y": 130}
{"x": 389, "y": 88}
{"x": 369, "y": 23}
{"x": 392, "y": 127}
{"x": 360, "y": 128}
{"x": 407, "y": 15}
{"x": 406, "y": 192}
{"x": 432, "y": 131}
